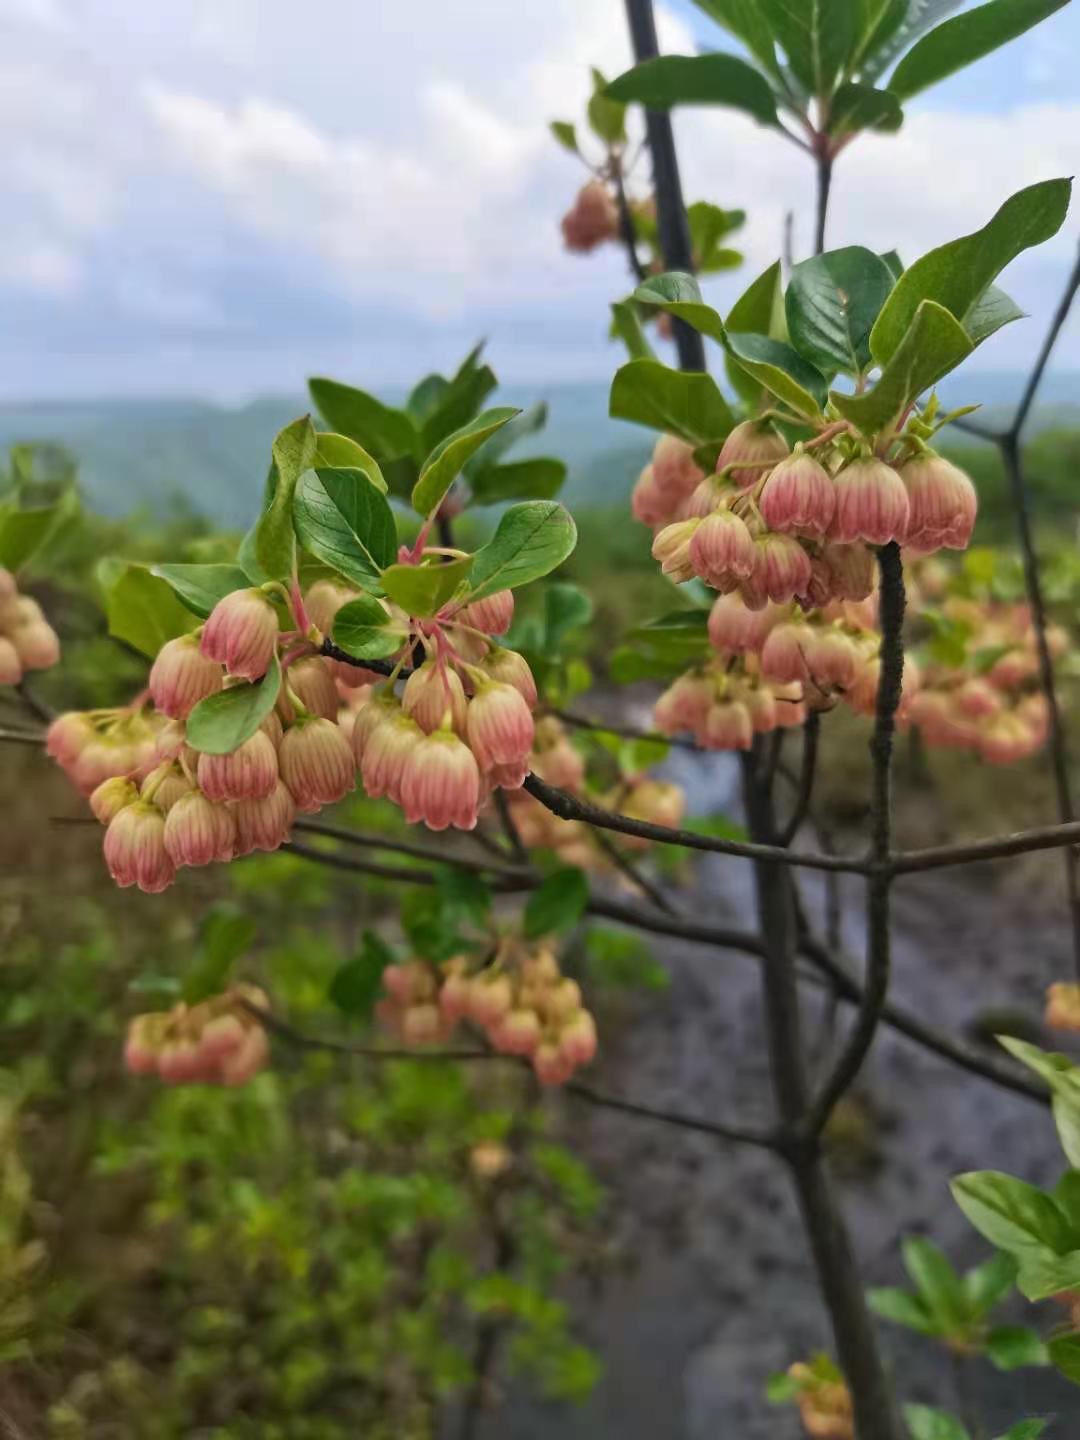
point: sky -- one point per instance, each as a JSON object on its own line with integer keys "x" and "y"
{"x": 218, "y": 197}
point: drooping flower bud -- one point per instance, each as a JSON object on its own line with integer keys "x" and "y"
{"x": 440, "y": 784}
{"x": 833, "y": 658}
{"x": 798, "y": 497}
{"x": 11, "y": 670}
{"x": 167, "y": 789}
{"x": 198, "y": 831}
{"x": 761, "y": 704}
{"x": 312, "y": 682}
{"x": 245, "y": 773}
{"x": 671, "y": 548}
{"x": 388, "y": 747}
{"x": 316, "y": 763}
{"x": 871, "y": 504}
{"x": 851, "y": 569}
{"x": 593, "y": 218}
{"x": 577, "y": 1044}
{"x": 264, "y": 823}
{"x": 499, "y": 725}
{"x": 242, "y": 633}
{"x": 658, "y": 802}
{"x": 111, "y": 796}
{"x": 683, "y": 705}
{"x": 517, "y": 1033}
{"x": 244, "y": 1063}
{"x": 734, "y": 629}
{"x": 36, "y": 644}
{"x": 181, "y": 676}
{"x": 978, "y": 699}
{"x": 784, "y": 656}
{"x": 728, "y": 726}
{"x": 135, "y": 849}
{"x": 753, "y": 448}
{"x": 494, "y": 614}
{"x": 721, "y": 549}
{"x": 433, "y": 694}
{"x": 1006, "y": 738}
{"x": 324, "y": 600}
{"x": 1063, "y": 1006}
{"x": 942, "y": 503}
{"x": 781, "y": 569}
{"x": 510, "y": 668}
{"x": 648, "y": 503}
{"x": 790, "y": 706}
{"x": 675, "y": 471}
{"x": 68, "y": 735}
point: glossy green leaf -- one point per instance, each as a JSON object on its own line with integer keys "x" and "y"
{"x": 1012, "y": 1214}
{"x": 339, "y": 452}
{"x": 220, "y": 723}
{"x": 626, "y": 325}
{"x": 680, "y": 402}
{"x": 363, "y": 630}
{"x": 1025, "y": 1430}
{"x": 527, "y": 423}
{"x": 24, "y": 531}
{"x": 463, "y": 895}
{"x": 936, "y": 1281}
{"x": 989, "y": 313}
{"x": 760, "y": 311}
{"x": 200, "y": 587}
{"x": 566, "y": 134}
{"x": 709, "y": 226}
{"x": 903, "y": 1309}
{"x": 744, "y": 19}
{"x": 713, "y": 79}
{"x": 566, "y": 608}
{"x": 958, "y": 274}
{"x": 382, "y": 431}
{"x": 1042, "y": 1274}
{"x": 357, "y": 984}
{"x": 1065, "y": 1356}
{"x": 935, "y": 344}
{"x": 540, "y": 478}
{"x": 558, "y": 904}
{"x": 424, "y": 589}
{"x": 530, "y": 541}
{"x": 781, "y": 371}
{"x": 679, "y": 294}
{"x": 275, "y": 540}
{"x": 1013, "y": 1347}
{"x": 140, "y": 608}
{"x": 817, "y": 36}
{"x": 782, "y": 1389}
{"x": 964, "y": 39}
{"x": 425, "y": 398}
{"x": 460, "y": 402}
{"x": 878, "y": 22}
{"x": 862, "y": 107}
{"x": 831, "y": 304}
{"x": 344, "y": 521}
{"x": 607, "y": 116}
{"x": 447, "y": 460}
{"x": 987, "y": 1284}
{"x": 926, "y": 1423}
{"x": 1067, "y": 1120}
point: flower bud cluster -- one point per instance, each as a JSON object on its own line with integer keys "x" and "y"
{"x": 593, "y": 218}
{"x": 521, "y": 1001}
{"x": 462, "y": 726}
{"x": 1063, "y": 1006}
{"x": 92, "y": 746}
{"x": 216, "y": 1042}
{"x": 27, "y": 640}
{"x": 824, "y": 1404}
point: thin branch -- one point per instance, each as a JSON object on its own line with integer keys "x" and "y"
{"x": 1061, "y": 314}
{"x": 997, "y": 847}
{"x": 510, "y": 829}
{"x": 878, "y": 937}
{"x": 348, "y": 863}
{"x": 811, "y": 731}
{"x": 633, "y": 873}
{"x": 626, "y": 732}
{"x": 626, "y": 220}
{"x": 407, "y": 847}
{"x": 972, "y": 427}
{"x": 377, "y": 667}
{"x": 37, "y": 707}
{"x": 764, "y": 1139}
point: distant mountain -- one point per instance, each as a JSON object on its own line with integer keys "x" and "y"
{"x": 160, "y": 455}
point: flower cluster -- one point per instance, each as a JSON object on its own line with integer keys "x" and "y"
{"x": 520, "y": 1000}
{"x": 462, "y": 726}
{"x": 824, "y": 1401}
{"x": 779, "y": 525}
{"x": 216, "y": 1042}
{"x": 592, "y": 220}
{"x": 987, "y": 699}
{"x": 557, "y": 761}
{"x": 92, "y": 746}
{"x": 27, "y": 640}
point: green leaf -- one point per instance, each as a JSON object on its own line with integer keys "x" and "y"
{"x": 714, "y": 79}
{"x": 362, "y": 628}
{"x": 558, "y": 904}
{"x": 964, "y": 39}
{"x": 759, "y": 310}
{"x": 862, "y": 107}
{"x": 530, "y": 541}
{"x": 425, "y": 397}
{"x": 679, "y": 294}
{"x": 344, "y": 521}
{"x": 463, "y": 895}
{"x": 446, "y": 461}
{"x": 937, "y": 1283}
{"x": 892, "y": 262}
{"x": 200, "y": 587}
{"x": 528, "y": 422}
{"x": 1012, "y": 1214}
{"x": 744, "y": 20}
{"x": 902, "y": 1309}
{"x": 958, "y": 274}
{"x": 678, "y": 402}
{"x": 565, "y": 609}
{"x": 566, "y": 134}
{"x": 935, "y": 344}
{"x": 879, "y": 22}
{"x": 606, "y": 115}
{"x": 626, "y": 325}
{"x": 782, "y": 1389}
{"x": 226, "y": 934}
{"x": 460, "y": 401}
{"x": 384, "y": 432}
{"x": 1043, "y": 1274}
{"x": 220, "y": 723}
{"x": 355, "y": 987}
{"x": 424, "y": 589}
{"x": 781, "y": 371}
{"x": 628, "y": 665}
{"x": 338, "y": 452}
{"x": 23, "y": 532}
{"x": 141, "y": 609}
{"x": 275, "y": 539}
{"x": 989, "y": 313}
{"x": 1025, "y": 1430}
{"x": 709, "y": 224}
{"x": 1067, "y": 1120}
{"x": 1012, "y": 1347}
{"x": 1065, "y": 1356}
{"x": 926, "y": 1423}
{"x": 817, "y": 37}
{"x": 540, "y": 478}
{"x": 987, "y": 1284}
{"x": 831, "y": 304}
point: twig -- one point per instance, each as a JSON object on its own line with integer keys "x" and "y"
{"x": 633, "y": 873}
{"x": 626, "y": 220}
{"x": 510, "y": 829}
{"x": 805, "y": 789}
{"x": 626, "y": 732}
